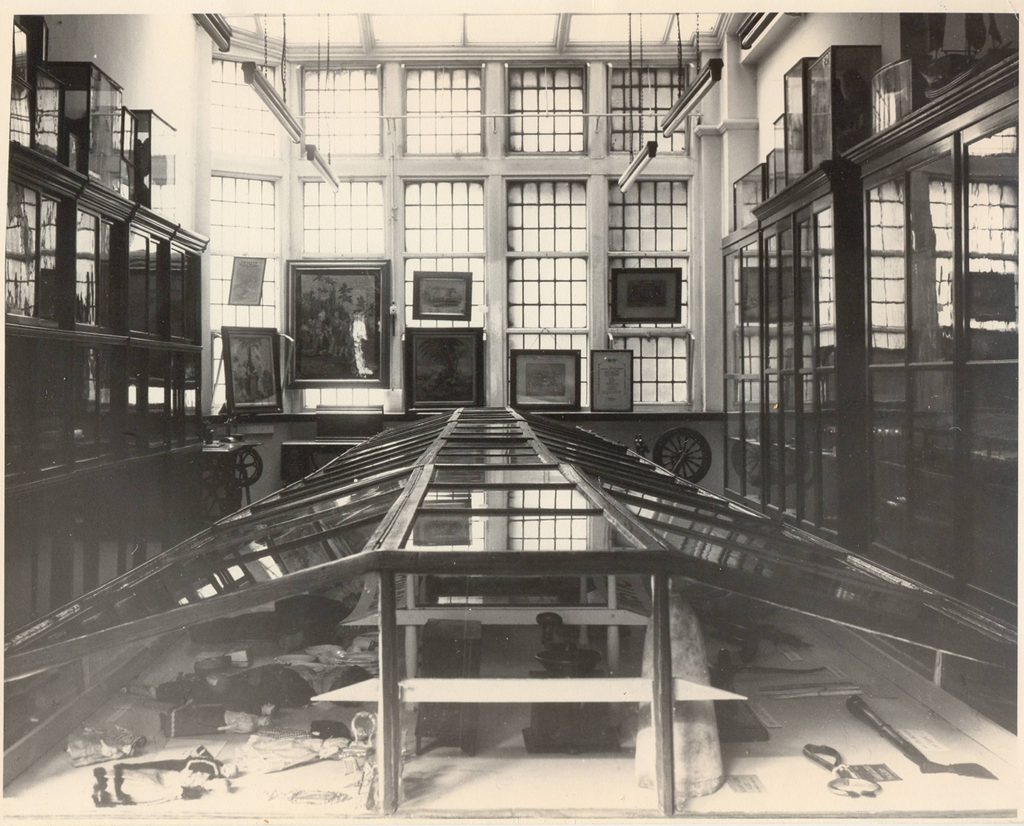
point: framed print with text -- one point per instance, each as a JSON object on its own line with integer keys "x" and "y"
{"x": 611, "y": 381}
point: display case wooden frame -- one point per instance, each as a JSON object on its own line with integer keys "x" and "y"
{"x": 839, "y": 100}
{"x": 444, "y": 369}
{"x": 544, "y": 379}
{"x": 611, "y": 381}
{"x": 252, "y": 373}
{"x": 442, "y": 296}
{"x": 646, "y": 295}
{"x": 338, "y": 315}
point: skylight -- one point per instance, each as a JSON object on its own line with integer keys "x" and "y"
{"x": 511, "y": 28}
{"x": 417, "y": 28}
{"x": 614, "y": 28}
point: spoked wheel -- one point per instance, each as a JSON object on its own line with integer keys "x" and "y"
{"x": 685, "y": 452}
{"x": 248, "y": 466}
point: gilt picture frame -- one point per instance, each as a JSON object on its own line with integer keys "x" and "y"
{"x": 252, "y": 374}
{"x": 338, "y": 316}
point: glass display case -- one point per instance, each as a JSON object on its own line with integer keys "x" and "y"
{"x": 155, "y": 153}
{"x": 747, "y": 192}
{"x": 49, "y": 113}
{"x": 896, "y": 91}
{"x": 839, "y": 96}
{"x": 772, "y": 162}
{"x": 796, "y": 85}
{"x": 92, "y": 120}
{"x": 448, "y": 554}
{"x": 779, "y": 133}
{"x": 21, "y": 89}
{"x": 129, "y": 188}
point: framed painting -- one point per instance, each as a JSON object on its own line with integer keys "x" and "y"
{"x": 338, "y": 317}
{"x": 545, "y": 379}
{"x": 611, "y": 381}
{"x": 252, "y": 376}
{"x": 247, "y": 281}
{"x": 444, "y": 369}
{"x": 442, "y": 296}
{"x": 647, "y": 295}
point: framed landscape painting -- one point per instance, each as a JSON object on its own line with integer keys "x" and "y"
{"x": 442, "y": 296}
{"x": 338, "y": 317}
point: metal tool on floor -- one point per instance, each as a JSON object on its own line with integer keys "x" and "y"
{"x": 843, "y": 781}
{"x": 863, "y": 712}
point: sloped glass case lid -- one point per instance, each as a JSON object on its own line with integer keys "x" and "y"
{"x": 495, "y": 492}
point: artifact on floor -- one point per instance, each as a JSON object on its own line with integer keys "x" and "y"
{"x": 697, "y": 757}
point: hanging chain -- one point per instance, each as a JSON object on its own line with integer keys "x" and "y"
{"x": 679, "y": 54}
{"x": 640, "y": 82}
{"x": 697, "y": 38}
{"x": 266, "y": 51}
{"x": 284, "y": 55}
{"x": 630, "y": 76}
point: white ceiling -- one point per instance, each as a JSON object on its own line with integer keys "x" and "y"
{"x": 471, "y": 31}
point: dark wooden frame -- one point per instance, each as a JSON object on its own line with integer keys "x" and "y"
{"x": 421, "y": 280}
{"x": 599, "y": 403}
{"x": 338, "y": 374}
{"x": 413, "y": 390}
{"x": 669, "y": 310}
{"x": 232, "y": 337}
{"x": 246, "y": 282}
{"x": 519, "y": 361}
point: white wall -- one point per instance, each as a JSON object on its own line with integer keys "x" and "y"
{"x": 153, "y": 59}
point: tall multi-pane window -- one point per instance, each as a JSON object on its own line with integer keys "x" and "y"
{"x": 243, "y": 222}
{"x": 637, "y": 102}
{"x": 342, "y": 110}
{"x": 443, "y": 109}
{"x": 240, "y": 122}
{"x": 547, "y": 269}
{"x": 347, "y": 222}
{"x": 547, "y": 107}
{"x": 648, "y": 227}
{"x": 444, "y": 232}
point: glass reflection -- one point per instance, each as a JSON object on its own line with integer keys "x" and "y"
{"x": 931, "y": 261}
{"x": 933, "y": 498}
{"x": 488, "y": 477}
{"x": 826, "y": 289}
{"x": 992, "y": 245}
{"x": 888, "y": 458}
{"x": 887, "y": 271}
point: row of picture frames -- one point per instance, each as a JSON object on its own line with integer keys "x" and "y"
{"x": 340, "y": 323}
{"x": 443, "y": 369}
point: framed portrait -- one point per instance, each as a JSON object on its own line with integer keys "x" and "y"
{"x": 545, "y": 379}
{"x": 442, "y": 296}
{"x": 647, "y": 295}
{"x": 611, "y": 380}
{"x": 247, "y": 281}
{"x": 252, "y": 376}
{"x": 338, "y": 317}
{"x": 444, "y": 369}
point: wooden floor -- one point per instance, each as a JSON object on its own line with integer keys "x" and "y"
{"x": 502, "y": 780}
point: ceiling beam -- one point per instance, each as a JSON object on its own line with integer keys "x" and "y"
{"x": 366, "y": 33}
{"x": 562, "y": 32}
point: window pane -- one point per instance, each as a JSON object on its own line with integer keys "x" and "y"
{"x": 342, "y": 109}
{"x": 537, "y": 209}
{"x": 826, "y": 356}
{"x": 551, "y": 102}
{"x": 85, "y": 268}
{"x": 444, "y": 107}
{"x": 22, "y": 250}
{"x": 660, "y": 89}
{"x": 348, "y": 221}
{"x": 240, "y": 122}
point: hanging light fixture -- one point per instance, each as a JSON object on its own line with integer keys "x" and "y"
{"x": 639, "y": 161}
{"x": 274, "y": 102}
{"x": 320, "y": 162}
{"x": 694, "y": 93}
